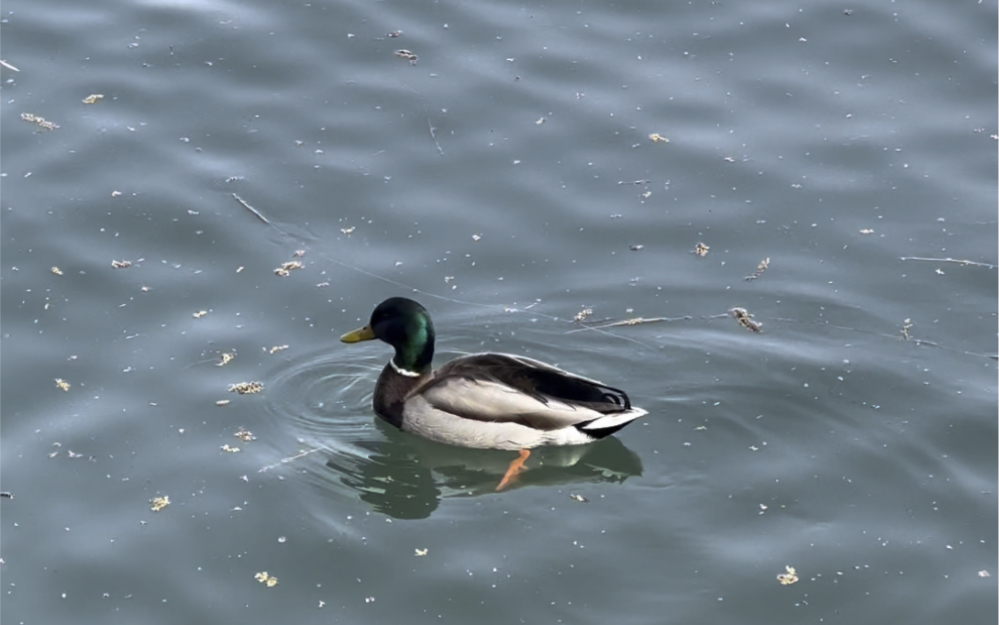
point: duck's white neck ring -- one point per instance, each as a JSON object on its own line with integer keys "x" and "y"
{"x": 401, "y": 371}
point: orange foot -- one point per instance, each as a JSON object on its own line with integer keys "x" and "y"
{"x": 515, "y": 468}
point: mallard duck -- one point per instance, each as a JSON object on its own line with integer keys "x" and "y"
{"x": 487, "y": 400}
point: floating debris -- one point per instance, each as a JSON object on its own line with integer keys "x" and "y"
{"x": 227, "y": 448}
{"x": 300, "y": 454}
{"x": 93, "y": 98}
{"x": 8, "y": 66}
{"x": 409, "y": 56}
{"x": 264, "y": 578}
{"x": 982, "y": 573}
{"x": 646, "y": 195}
{"x": 158, "y": 503}
{"x": 583, "y": 314}
{"x": 57, "y": 271}
{"x": 476, "y": 237}
{"x": 745, "y": 319}
{"x": 199, "y": 314}
{"x": 288, "y": 267}
{"x": 246, "y": 388}
{"x": 222, "y": 402}
{"x": 635, "y": 248}
{"x": 247, "y": 206}
{"x": 658, "y": 138}
{"x": 788, "y": 578}
{"x": 701, "y": 249}
{"x": 420, "y": 552}
{"x": 759, "y": 270}
{"x": 433, "y": 135}
{"x": 867, "y": 231}
{"x": 62, "y": 385}
{"x": 578, "y": 498}
{"x": 906, "y": 326}
{"x": 394, "y": 34}
{"x": 121, "y": 264}
{"x": 277, "y": 348}
{"x": 225, "y": 359}
{"x": 348, "y": 231}
{"x": 7, "y": 495}
{"x": 39, "y": 121}
{"x": 950, "y": 260}
{"x": 634, "y": 321}
{"x": 245, "y": 435}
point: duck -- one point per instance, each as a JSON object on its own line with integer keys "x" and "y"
{"x": 486, "y": 400}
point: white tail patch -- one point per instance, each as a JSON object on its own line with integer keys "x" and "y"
{"x": 614, "y": 420}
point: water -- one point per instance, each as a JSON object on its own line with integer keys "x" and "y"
{"x": 502, "y": 180}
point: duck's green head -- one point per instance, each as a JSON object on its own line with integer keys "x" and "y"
{"x": 406, "y": 326}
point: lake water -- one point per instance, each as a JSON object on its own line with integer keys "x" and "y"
{"x": 841, "y": 155}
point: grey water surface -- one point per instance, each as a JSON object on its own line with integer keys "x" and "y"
{"x": 842, "y": 155}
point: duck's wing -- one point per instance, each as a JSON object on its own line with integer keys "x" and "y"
{"x": 508, "y": 388}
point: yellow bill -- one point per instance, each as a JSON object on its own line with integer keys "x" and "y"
{"x": 360, "y": 334}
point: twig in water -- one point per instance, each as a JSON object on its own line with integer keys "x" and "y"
{"x": 245, "y": 205}
{"x": 630, "y": 322}
{"x": 8, "y": 65}
{"x": 300, "y": 454}
{"x": 434, "y": 137}
{"x": 950, "y": 260}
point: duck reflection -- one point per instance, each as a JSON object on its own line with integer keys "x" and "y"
{"x": 406, "y": 477}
